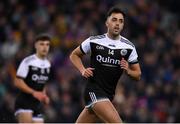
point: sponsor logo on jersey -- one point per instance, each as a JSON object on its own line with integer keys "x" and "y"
{"x": 36, "y": 77}
{"x": 107, "y": 60}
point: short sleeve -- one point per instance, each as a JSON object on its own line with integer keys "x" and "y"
{"x": 22, "y": 70}
{"x": 85, "y": 46}
{"x": 133, "y": 58}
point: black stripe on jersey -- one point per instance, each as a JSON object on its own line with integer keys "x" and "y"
{"x": 97, "y": 37}
{"x": 82, "y": 50}
{"x": 127, "y": 42}
{"x": 134, "y": 62}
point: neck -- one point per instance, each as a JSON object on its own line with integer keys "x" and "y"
{"x": 113, "y": 37}
{"x": 40, "y": 56}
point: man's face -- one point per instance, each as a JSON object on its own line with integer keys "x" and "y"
{"x": 42, "y": 47}
{"x": 115, "y": 23}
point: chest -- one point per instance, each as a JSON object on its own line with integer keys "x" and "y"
{"x": 110, "y": 51}
{"x": 38, "y": 75}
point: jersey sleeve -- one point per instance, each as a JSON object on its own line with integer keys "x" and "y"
{"x": 22, "y": 70}
{"x": 85, "y": 46}
{"x": 133, "y": 58}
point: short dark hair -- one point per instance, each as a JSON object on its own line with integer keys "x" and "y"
{"x": 115, "y": 9}
{"x": 42, "y": 37}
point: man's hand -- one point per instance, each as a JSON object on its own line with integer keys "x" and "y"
{"x": 46, "y": 100}
{"x": 124, "y": 65}
{"x": 88, "y": 72}
{"x": 39, "y": 95}
{"x": 132, "y": 70}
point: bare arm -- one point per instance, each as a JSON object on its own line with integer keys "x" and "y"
{"x": 20, "y": 84}
{"x": 132, "y": 70}
{"x": 75, "y": 58}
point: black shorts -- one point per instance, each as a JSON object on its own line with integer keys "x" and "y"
{"x": 94, "y": 94}
{"x": 27, "y": 103}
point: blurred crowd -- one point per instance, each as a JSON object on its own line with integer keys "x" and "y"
{"x": 152, "y": 25}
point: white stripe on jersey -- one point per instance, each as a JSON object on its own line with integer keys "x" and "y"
{"x": 92, "y": 96}
{"x": 34, "y": 61}
{"x": 23, "y": 111}
{"x": 98, "y": 100}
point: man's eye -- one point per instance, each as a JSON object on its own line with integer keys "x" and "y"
{"x": 121, "y": 20}
{"x": 114, "y": 19}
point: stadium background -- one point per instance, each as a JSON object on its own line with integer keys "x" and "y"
{"x": 152, "y": 25}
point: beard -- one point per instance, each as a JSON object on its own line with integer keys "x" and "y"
{"x": 115, "y": 33}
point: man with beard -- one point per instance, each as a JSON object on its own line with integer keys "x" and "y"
{"x": 111, "y": 55}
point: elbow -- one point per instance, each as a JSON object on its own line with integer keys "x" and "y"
{"x": 71, "y": 56}
{"x": 138, "y": 76}
{"x": 16, "y": 84}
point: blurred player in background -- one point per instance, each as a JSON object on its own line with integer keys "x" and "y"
{"x": 111, "y": 55}
{"x": 31, "y": 78}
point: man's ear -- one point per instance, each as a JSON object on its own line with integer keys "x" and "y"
{"x": 106, "y": 23}
{"x": 35, "y": 45}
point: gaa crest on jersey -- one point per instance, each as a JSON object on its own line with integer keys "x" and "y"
{"x": 123, "y": 52}
{"x": 99, "y": 47}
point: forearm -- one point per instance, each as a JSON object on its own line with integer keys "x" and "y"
{"x": 76, "y": 60}
{"x": 136, "y": 75}
{"x": 20, "y": 84}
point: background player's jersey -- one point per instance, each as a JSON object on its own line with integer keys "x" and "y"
{"x": 105, "y": 58}
{"x": 34, "y": 71}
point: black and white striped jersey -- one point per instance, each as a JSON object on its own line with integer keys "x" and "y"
{"x": 106, "y": 55}
{"x": 34, "y": 71}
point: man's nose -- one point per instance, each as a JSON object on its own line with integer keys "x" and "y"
{"x": 117, "y": 24}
